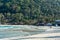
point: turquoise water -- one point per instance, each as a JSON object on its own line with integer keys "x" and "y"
{"x": 5, "y": 27}
{"x": 14, "y": 31}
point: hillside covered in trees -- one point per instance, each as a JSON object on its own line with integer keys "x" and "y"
{"x": 29, "y": 12}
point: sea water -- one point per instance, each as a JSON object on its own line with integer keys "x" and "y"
{"x": 52, "y": 30}
{"x": 14, "y": 31}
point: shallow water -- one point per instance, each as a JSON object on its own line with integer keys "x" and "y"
{"x": 53, "y": 30}
{"x": 14, "y": 31}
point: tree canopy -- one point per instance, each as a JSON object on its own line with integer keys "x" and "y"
{"x": 29, "y": 11}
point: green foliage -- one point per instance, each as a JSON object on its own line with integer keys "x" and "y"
{"x": 29, "y": 11}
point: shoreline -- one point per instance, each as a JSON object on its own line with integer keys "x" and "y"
{"x": 39, "y": 36}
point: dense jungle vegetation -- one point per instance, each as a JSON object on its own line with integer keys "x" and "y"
{"x": 29, "y": 12}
